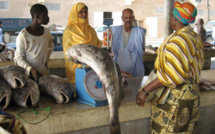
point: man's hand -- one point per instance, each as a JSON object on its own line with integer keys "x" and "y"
{"x": 125, "y": 74}
{"x": 140, "y": 99}
{"x": 35, "y": 75}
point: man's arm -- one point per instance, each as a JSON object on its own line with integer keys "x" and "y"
{"x": 50, "y": 50}
{"x": 50, "y": 47}
{"x": 20, "y": 57}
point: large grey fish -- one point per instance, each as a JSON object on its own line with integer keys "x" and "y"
{"x": 5, "y": 94}
{"x": 58, "y": 88}
{"x": 15, "y": 76}
{"x": 27, "y": 96}
{"x": 108, "y": 72}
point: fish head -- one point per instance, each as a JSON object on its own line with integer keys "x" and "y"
{"x": 5, "y": 94}
{"x": 65, "y": 92}
{"x": 79, "y": 53}
{"x": 58, "y": 88}
{"x": 27, "y": 96}
{"x": 15, "y": 76}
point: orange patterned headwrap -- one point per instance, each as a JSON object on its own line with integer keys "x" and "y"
{"x": 185, "y": 12}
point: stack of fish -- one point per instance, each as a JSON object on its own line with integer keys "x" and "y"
{"x": 17, "y": 86}
{"x": 6, "y": 54}
{"x": 206, "y": 85}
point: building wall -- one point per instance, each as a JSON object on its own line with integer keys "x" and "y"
{"x": 142, "y": 10}
{"x": 203, "y": 10}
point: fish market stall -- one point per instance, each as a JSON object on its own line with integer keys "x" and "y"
{"x": 57, "y": 64}
{"x": 209, "y": 52}
{"x": 76, "y": 117}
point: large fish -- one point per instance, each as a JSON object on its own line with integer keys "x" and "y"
{"x": 5, "y": 94}
{"x": 108, "y": 72}
{"x": 15, "y": 76}
{"x": 27, "y": 96}
{"x": 58, "y": 88}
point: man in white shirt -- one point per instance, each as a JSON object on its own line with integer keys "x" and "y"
{"x": 128, "y": 45}
{"x": 34, "y": 44}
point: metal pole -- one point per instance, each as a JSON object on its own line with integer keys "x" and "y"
{"x": 168, "y": 8}
{"x": 108, "y": 46}
{"x": 208, "y": 6}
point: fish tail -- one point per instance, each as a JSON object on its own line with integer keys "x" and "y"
{"x": 114, "y": 124}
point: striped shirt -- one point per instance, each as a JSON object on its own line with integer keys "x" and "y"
{"x": 180, "y": 57}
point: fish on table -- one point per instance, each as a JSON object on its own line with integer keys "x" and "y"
{"x": 5, "y": 94}
{"x": 109, "y": 73}
{"x": 7, "y": 54}
{"x": 15, "y": 76}
{"x": 58, "y": 88}
{"x": 27, "y": 96}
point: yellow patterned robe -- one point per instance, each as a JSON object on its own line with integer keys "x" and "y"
{"x": 178, "y": 65}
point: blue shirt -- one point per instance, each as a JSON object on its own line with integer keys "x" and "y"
{"x": 130, "y": 57}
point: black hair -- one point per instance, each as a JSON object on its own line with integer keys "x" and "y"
{"x": 86, "y": 7}
{"x": 37, "y": 9}
{"x": 128, "y": 10}
{"x": 0, "y": 22}
{"x": 201, "y": 21}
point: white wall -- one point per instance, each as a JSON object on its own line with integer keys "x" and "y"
{"x": 98, "y": 18}
{"x": 152, "y": 25}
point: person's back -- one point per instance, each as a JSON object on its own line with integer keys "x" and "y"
{"x": 34, "y": 44}
{"x": 128, "y": 44}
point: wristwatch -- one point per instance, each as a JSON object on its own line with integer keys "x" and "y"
{"x": 147, "y": 94}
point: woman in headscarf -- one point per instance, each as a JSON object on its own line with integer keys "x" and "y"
{"x": 178, "y": 64}
{"x": 78, "y": 31}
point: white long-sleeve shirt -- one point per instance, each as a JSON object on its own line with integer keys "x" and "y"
{"x": 33, "y": 51}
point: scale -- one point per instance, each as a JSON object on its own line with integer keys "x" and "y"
{"x": 107, "y": 34}
{"x": 89, "y": 88}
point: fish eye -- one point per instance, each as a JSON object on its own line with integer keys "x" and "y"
{"x": 78, "y": 52}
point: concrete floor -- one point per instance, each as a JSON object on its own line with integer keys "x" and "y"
{"x": 142, "y": 126}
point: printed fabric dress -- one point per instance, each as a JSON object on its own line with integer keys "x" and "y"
{"x": 178, "y": 65}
